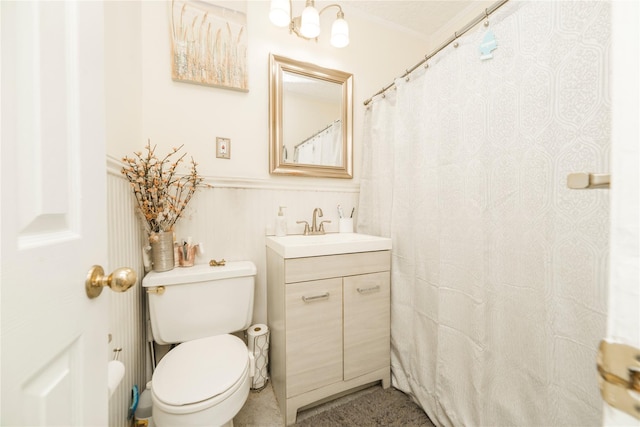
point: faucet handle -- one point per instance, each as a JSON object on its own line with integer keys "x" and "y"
{"x": 321, "y": 228}
{"x": 306, "y": 226}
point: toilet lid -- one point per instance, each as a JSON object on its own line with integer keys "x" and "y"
{"x": 198, "y": 370}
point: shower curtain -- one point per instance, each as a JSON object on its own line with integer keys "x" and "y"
{"x": 498, "y": 270}
{"x": 323, "y": 148}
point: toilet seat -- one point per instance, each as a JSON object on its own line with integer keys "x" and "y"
{"x": 200, "y": 373}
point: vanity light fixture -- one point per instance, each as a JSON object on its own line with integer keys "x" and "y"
{"x": 307, "y": 25}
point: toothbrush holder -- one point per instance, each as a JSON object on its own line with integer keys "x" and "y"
{"x": 346, "y": 225}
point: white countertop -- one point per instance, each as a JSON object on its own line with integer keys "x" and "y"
{"x": 300, "y": 246}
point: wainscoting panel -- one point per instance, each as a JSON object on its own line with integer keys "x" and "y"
{"x": 127, "y": 309}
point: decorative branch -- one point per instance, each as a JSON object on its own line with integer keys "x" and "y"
{"x": 161, "y": 194}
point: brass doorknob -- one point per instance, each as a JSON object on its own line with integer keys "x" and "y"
{"x": 119, "y": 281}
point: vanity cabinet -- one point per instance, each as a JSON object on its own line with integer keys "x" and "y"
{"x": 329, "y": 318}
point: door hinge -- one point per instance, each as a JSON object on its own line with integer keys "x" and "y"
{"x": 619, "y": 369}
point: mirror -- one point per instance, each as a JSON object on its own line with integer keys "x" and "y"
{"x": 310, "y": 120}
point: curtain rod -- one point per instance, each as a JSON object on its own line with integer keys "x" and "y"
{"x": 316, "y": 134}
{"x": 488, "y": 11}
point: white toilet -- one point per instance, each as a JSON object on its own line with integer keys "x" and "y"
{"x": 205, "y": 380}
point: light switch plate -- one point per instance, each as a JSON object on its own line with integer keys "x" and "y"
{"x": 223, "y": 148}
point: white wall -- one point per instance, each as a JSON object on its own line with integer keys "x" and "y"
{"x": 123, "y": 77}
{"x": 174, "y": 113}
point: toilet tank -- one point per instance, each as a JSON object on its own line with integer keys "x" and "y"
{"x": 188, "y": 303}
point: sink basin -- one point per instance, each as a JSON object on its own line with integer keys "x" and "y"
{"x": 299, "y": 246}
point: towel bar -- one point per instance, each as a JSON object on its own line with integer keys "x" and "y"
{"x": 583, "y": 180}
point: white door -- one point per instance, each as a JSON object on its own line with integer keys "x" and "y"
{"x": 624, "y": 282}
{"x": 53, "y": 188}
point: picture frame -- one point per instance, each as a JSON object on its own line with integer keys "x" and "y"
{"x": 209, "y": 43}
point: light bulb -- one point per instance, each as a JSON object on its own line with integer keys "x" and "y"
{"x": 310, "y": 24}
{"x": 280, "y": 13}
{"x": 340, "y": 32}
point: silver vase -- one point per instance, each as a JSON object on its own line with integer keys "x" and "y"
{"x": 162, "y": 251}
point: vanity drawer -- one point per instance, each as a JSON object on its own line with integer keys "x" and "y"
{"x": 324, "y": 267}
{"x": 313, "y": 335}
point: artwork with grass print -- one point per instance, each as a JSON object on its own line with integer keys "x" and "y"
{"x": 209, "y": 43}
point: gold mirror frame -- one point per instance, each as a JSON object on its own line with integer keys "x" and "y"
{"x": 278, "y": 65}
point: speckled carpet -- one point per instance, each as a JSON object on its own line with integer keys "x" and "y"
{"x": 381, "y": 407}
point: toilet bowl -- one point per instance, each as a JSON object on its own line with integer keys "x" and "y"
{"x": 203, "y": 382}
{"x": 205, "y": 379}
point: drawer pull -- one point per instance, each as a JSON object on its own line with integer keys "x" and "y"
{"x": 367, "y": 290}
{"x": 316, "y": 297}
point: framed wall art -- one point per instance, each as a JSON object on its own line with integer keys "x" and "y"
{"x": 209, "y": 43}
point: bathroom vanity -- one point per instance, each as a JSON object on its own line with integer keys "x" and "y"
{"x": 329, "y": 315}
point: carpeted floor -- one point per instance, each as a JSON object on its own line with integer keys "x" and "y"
{"x": 381, "y": 407}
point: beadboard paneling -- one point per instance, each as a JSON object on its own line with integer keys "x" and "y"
{"x": 126, "y": 310}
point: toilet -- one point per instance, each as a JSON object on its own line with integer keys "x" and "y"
{"x": 205, "y": 379}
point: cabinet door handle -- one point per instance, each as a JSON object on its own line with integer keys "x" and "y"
{"x": 369, "y": 289}
{"x": 315, "y": 297}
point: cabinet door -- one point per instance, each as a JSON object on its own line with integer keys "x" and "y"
{"x": 366, "y": 324}
{"x": 313, "y": 334}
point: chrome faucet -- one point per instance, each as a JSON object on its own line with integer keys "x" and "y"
{"x": 315, "y": 229}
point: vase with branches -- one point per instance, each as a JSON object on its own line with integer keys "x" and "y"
{"x": 161, "y": 195}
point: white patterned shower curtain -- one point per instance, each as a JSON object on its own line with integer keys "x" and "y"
{"x": 323, "y": 148}
{"x": 499, "y": 271}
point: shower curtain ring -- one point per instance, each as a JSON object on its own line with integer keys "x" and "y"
{"x": 455, "y": 37}
{"x": 406, "y": 78}
{"x": 486, "y": 17}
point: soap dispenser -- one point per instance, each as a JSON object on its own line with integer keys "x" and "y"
{"x": 281, "y": 222}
